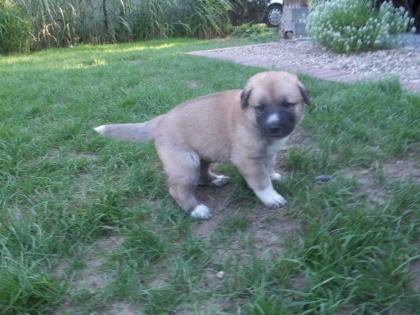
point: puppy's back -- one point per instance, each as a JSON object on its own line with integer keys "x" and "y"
{"x": 203, "y": 124}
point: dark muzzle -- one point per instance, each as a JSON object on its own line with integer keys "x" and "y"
{"x": 277, "y": 123}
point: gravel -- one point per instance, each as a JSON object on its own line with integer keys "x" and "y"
{"x": 303, "y": 56}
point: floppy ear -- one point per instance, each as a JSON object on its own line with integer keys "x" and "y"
{"x": 305, "y": 94}
{"x": 245, "y": 94}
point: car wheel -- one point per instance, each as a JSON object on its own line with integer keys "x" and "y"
{"x": 274, "y": 15}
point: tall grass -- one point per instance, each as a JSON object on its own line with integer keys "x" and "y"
{"x": 60, "y": 23}
{"x": 207, "y": 18}
{"x": 152, "y": 19}
{"x": 53, "y": 22}
{"x": 15, "y": 29}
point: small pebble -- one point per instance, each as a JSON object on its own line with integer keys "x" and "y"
{"x": 220, "y": 274}
{"x": 322, "y": 178}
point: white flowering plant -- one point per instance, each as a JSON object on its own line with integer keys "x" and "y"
{"x": 347, "y": 26}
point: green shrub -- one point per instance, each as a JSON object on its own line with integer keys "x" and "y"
{"x": 207, "y": 18}
{"x": 255, "y": 31}
{"x": 15, "y": 29}
{"x": 354, "y": 25}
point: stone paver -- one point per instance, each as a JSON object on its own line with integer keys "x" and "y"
{"x": 411, "y": 86}
{"x": 305, "y": 58}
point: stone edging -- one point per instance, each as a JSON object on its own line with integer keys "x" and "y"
{"x": 303, "y": 57}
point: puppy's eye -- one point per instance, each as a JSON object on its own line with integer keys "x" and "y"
{"x": 259, "y": 109}
{"x": 288, "y": 105}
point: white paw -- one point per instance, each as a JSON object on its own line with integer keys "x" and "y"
{"x": 220, "y": 181}
{"x": 201, "y": 212}
{"x": 271, "y": 198}
{"x": 276, "y": 176}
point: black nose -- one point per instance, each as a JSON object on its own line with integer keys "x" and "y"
{"x": 283, "y": 126}
{"x": 274, "y": 127}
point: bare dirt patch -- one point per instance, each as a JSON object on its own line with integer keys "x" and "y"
{"x": 114, "y": 308}
{"x": 369, "y": 185}
{"x": 267, "y": 225}
{"x": 55, "y": 154}
{"x": 407, "y": 168}
{"x": 82, "y": 155}
{"x": 299, "y": 138}
{"x": 213, "y": 279}
{"x": 194, "y": 84}
{"x": 92, "y": 277}
{"x": 218, "y": 199}
{"x": 213, "y": 306}
{"x": 271, "y": 227}
{"x": 121, "y": 308}
{"x": 415, "y": 269}
{"x": 161, "y": 281}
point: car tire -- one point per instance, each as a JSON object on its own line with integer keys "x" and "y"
{"x": 274, "y": 15}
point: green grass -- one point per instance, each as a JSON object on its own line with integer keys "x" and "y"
{"x": 66, "y": 192}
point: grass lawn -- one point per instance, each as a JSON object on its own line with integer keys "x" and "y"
{"x": 87, "y": 225}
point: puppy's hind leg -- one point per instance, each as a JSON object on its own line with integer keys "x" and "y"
{"x": 183, "y": 169}
{"x": 209, "y": 178}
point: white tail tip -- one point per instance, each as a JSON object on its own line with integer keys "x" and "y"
{"x": 100, "y": 129}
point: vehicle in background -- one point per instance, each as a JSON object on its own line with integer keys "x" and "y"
{"x": 274, "y": 13}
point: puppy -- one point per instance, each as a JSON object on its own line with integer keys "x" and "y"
{"x": 244, "y": 127}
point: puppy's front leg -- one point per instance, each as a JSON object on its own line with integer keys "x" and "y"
{"x": 269, "y": 163}
{"x": 258, "y": 179}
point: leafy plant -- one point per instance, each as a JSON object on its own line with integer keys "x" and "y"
{"x": 355, "y": 25}
{"x": 255, "y": 31}
{"x": 15, "y": 29}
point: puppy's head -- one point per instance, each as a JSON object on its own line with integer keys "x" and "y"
{"x": 274, "y": 101}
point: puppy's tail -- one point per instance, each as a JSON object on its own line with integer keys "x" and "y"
{"x": 129, "y": 132}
